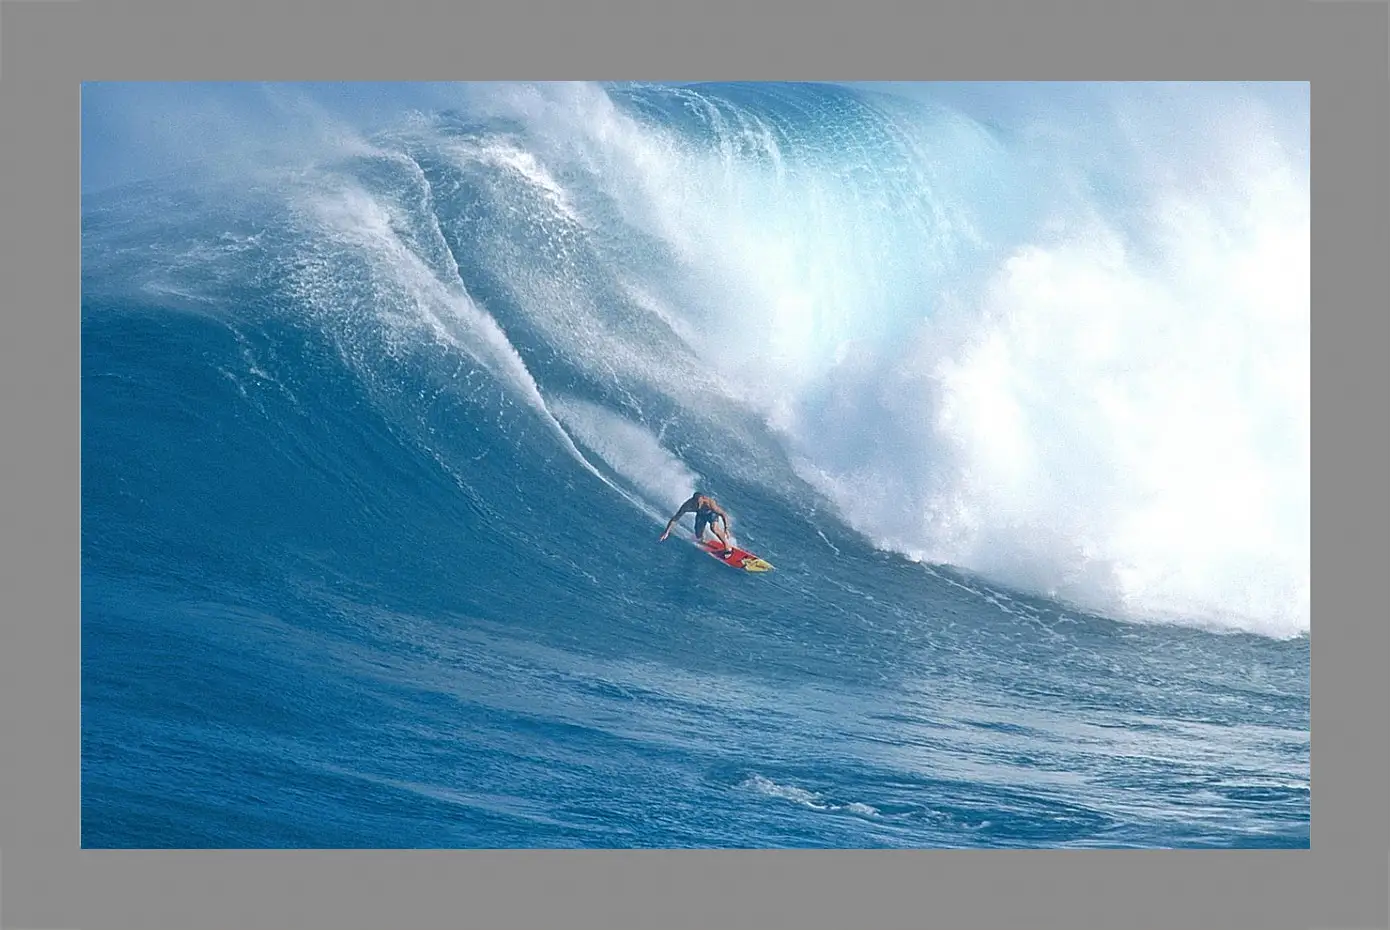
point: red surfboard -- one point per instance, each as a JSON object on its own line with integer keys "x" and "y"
{"x": 738, "y": 558}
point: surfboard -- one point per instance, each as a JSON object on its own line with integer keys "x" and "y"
{"x": 738, "y": 558}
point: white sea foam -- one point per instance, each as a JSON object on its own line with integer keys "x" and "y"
{"x": 806, "y": 798}
{"x": 1104, "y": 398}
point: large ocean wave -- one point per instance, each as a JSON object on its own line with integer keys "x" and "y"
{"x": 1067, "y": 352}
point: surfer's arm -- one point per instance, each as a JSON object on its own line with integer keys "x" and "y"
{"x": 672, "y": 522}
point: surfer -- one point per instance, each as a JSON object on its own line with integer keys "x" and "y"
{"x": 707, "y": 513}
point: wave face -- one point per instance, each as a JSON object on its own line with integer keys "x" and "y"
{"x": 380, "y": 427}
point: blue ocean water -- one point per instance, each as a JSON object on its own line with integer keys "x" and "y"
{"x": 380, "y": 428}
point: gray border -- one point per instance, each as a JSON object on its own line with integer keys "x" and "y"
{"x": 48, "y": 48}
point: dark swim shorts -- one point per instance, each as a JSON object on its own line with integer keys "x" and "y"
{"x": 704, "y": 518}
